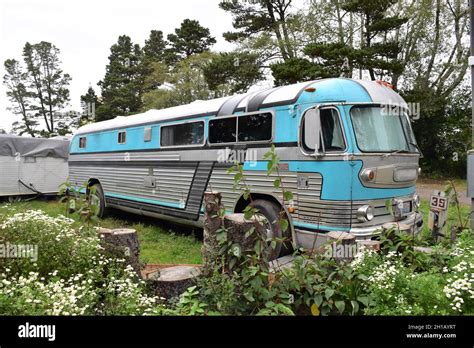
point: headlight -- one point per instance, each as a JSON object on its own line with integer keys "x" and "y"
{"x": 416, "y": 201}
{"x": 365, "y": 213}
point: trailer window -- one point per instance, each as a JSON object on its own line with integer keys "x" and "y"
{"x": 223, "y": 130}
{"x": 182, "y": 134}
{"x": 122, "y": 137}
{"x": 256, "y": 127}
{"x": 82, "y": 142}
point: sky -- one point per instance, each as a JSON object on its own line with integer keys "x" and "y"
{"x": 84, "y": 30}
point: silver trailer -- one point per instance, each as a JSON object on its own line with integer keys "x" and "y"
{"x": 30, "y": 166}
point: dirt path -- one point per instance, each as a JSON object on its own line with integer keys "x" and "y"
{"x": 425, "y": 188}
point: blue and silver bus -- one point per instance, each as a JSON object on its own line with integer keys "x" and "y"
{"x": 344, "y": 151}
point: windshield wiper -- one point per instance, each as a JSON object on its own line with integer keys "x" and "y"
{"x": 395, "y": 152}
{"x": 417, "y": 147}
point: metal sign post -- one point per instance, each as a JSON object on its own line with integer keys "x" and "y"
{"x": 438, "y": 214}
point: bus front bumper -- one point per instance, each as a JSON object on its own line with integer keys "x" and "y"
{"x": 413, "y": 222}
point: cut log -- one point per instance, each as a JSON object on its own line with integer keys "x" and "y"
{"x": 370, "y": 244}
{"x": 173, "y": 281}
{"x": 342, "y": 237}
{"x": 342, "y": 246}
{"x": 122, "y": 243}
{"x": 212, "y": 223}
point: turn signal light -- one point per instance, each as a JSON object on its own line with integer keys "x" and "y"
{"x": 368, "y": 175}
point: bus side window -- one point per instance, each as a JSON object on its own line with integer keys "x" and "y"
{"x": 82, "y": 142}
{"x": 332, "y": 136}
{"x": 332, "y": 131}
{"x": 183, "y": 134}
{"x": 257, "y": 127}
{"x": 223, "y": 130}
{"x": 122, "y": 137}
{"x": 147, "y": 134}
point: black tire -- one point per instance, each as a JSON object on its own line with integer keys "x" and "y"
{"x": 272, "y": 213}
{"x": 99, "y": 192}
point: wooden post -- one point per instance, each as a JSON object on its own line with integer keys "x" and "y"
{"x": 212, "y": 223}
{"x": 122, "y": 243}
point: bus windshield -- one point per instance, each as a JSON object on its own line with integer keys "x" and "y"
{"x": 378, "y": 130}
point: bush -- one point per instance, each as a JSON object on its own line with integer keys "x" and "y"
{"x": 71, "y": 275}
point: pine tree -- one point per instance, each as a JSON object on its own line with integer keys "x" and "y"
{"x": 378, "y": 52}
{"x": 155, "y": 46}
{"x": 257, "y": 18}
{"x": 190, "y": 38}
{"x": 234, "y": 72}
{"x": 89, "y": 103}
{"x": 15, "y": 80}
{"x": 123, "y": 81}
{"x": 47, "y": 83}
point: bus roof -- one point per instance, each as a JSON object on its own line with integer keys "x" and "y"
{"x": 335, "y": 89}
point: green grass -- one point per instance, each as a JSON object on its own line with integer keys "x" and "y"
{"x": 163, "y": 243}
{"x": 158, "y": 243}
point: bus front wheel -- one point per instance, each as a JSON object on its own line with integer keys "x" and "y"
{"x": 272, "y": 214}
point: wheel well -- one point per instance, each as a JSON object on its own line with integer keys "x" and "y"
{"x": 92, "y": 182}
{"x": 242, "y": 202}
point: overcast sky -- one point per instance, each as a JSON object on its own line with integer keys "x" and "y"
{"x": 84, "y": 30}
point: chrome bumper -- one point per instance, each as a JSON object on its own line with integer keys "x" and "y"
{"x": 414, "y": 220}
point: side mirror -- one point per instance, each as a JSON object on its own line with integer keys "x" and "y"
{"x": 312, "y": 130}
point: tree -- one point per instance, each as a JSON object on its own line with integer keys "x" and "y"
{"x": 254, "y": 19}
{"x": 155, "y": 56}
{"x": 185, "y": 84}
{"x": 190, "y": 38}
{"x": 15, "y": 80}
{"x": 155, "y": 46}
{"x": 89, "y": 104}
{"x": 122, "y": 85}
{"x": 47, "y": 83}
{"x": 2, "y": 131}
{"x": 235, "y": 72}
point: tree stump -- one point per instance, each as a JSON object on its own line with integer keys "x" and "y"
{"x": 173, "y": 281}
{"x": 370, "y": 244}
{"x": 342, "y": 245}
{"x": 237, "y": 226}
{"x": 122, "y": 243}
{"x": 212, "y": 223}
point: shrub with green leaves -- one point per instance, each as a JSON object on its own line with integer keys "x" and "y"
{"x": 71, "y": 276}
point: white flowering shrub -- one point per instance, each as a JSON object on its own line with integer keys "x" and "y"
{"x": 396, "y": 287}
{"x": 460, "y": 278}
{"x": 60, "y": 245}
{"x": 71, "y": 275}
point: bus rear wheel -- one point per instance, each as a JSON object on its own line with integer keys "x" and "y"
{"x": 272, "y": 213}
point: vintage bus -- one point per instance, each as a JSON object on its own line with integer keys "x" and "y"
{"x": 346, "y": 147}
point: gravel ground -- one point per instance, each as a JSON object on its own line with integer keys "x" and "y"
{"x": 425, "y": 188}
